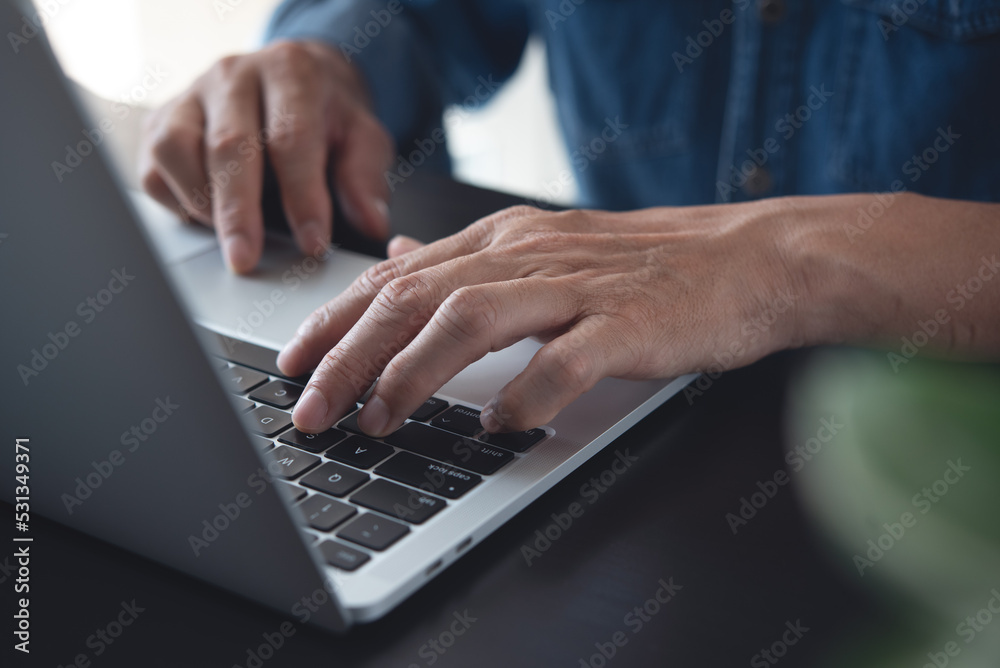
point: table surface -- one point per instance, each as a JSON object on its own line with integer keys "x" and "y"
{"x": 663, "y": 519}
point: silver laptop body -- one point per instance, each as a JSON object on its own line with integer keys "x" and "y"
{"x": 131, "y": 435}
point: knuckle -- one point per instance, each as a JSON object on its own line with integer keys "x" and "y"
{"x": 469, "y": 313}
{"x": 406, "y": 294}
{"x": 290, "y": 135}
{"x": 171, "y": 140}
{"x": 224, "y": 141}
{"x": 291, "y": 59}
{"x": 504, "y": 220}
{"x": 373, "y": 279}
{"x": 227, "y": 66}
{"x": 232, "y": 215}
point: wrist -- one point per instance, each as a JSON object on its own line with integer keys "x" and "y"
{"x": 818, "y": 241}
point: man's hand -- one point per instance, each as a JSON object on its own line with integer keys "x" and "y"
{"x": 651, "y": 293}
{"x": 202, "y": 154}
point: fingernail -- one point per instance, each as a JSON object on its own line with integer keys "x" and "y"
{"x": 236, "y": 249}
{"x": 489, "y": 417}
{"x": 310, "y": 412}
{"x": 373, "y": 416}
{"x": 289, "y": 356}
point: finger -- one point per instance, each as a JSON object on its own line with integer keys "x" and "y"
{"x": 297, "y": 145}
{"x": 176, "y": 154}
{"x": 400, "y": 245}
{"x": 232, "y": 110}
{"x": 157, "y": 188}
{"x": 471, "y": 322}
{"x": 558, "y": 373}
{"x": 360, "y": 163}
{"x": 399, "y": 311}
{"x": 329, "y": 323}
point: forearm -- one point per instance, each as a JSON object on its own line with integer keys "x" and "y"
{"x": 879, "y": 268}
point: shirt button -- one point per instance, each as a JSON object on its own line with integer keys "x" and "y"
{"x": 758, "y": 182}
{"x": 771, "y": 11}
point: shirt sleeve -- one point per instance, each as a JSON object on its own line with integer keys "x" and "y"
{"x": 417, "y": 56}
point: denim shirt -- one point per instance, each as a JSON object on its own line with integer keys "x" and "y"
{"x": 679, "y": 103}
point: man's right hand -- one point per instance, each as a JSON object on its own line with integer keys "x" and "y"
{"x": 307, "y": 107}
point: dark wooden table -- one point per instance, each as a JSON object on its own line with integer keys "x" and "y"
{"x": 661, "y": 520}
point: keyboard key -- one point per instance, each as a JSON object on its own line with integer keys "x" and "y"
{"x": 518, "y": 441}
{"x": 335, "y": 479}
{"x": 429, "y": 475}
{"x": 460, "y": 420}
{"x": 340, "y": 556}
{"x": 261, "y": 443}
{"x": 278, "y": 393}
{"x": 267, "y": 421}
{"x": 312, "y": 442}
{"x": 429, "y": 409}
{"x": 241, "y": 404}
{"x": 295, "y": 492}
{"x": 360, "y": 451}
{"x": 374, "y": 532}
{"x": 449, "y": 448}
{"x": 289, "y": 463}
{"x": 246, "y": 354}
{"x": 350, "y": 423}
{"x": 323, "y": 513}
{"x": 398, "y": 501}
{"x": 241, "y": 380}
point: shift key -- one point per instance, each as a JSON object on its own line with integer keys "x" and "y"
{"x": 449, "y": 448}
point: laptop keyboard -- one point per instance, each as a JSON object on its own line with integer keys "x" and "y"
{"x": 361, "y": 495}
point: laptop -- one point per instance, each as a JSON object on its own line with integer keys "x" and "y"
{"x": 139, "y": 380}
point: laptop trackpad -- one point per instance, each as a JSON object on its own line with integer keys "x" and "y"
{"x": 267, "y": 306}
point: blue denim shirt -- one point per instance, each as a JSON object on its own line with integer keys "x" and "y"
{"x": 682, "y": 103}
